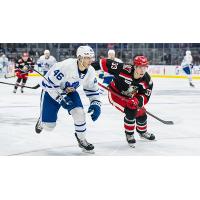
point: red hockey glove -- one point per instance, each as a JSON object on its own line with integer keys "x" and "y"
{"x": 132, "y": 103}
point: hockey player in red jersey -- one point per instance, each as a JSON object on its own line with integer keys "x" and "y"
{"x": 129, "y": 92}
{"x": 22, "y": 68}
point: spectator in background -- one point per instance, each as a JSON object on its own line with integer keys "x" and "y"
{"x": 168, "y": 62}
{"x": 164, "y": 59}
{"x": 110, "y": 46}
{"x": 31, "y": 52}
{"x": 2, "y": 50}
{"x": 13, "y": 50}
{"x": 24, "y": 45}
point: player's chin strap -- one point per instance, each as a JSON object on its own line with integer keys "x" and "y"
{"x": 81, "y": 63}
{"x": 150, "y": 114}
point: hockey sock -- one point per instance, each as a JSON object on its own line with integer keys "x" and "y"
{"x": 129, "y": 125}
{"x": 17, "y": 83}
{"x": 141, "y": 125}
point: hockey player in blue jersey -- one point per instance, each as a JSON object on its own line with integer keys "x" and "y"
{"x": 187, "y": 65}
{"x": 64, "y": 78}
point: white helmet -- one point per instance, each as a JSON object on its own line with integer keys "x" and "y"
{"x": 46, "y": 51}
{"x": 111, "y": 51}
{"x": 188, "y": 52}
{"x": 85, "y": 51}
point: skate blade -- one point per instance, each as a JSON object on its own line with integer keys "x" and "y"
{"x": 131, "y": 145}
{"x": 38, "y": 132}
{"x": 88, "y": 151}
{"x": 145, "y": 139}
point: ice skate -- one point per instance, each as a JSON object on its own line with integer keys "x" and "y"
{"x": 147, "y": 135}
{"x": 22, "y": 90}
{"x": 131, "y": 140}
{"x": 191, "y": 84}
{"x": 84, "y": 145}
{"x": 38, "y": 126}
{"x": 15, "y": 90}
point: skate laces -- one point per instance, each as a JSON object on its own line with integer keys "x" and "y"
{"x": 147, "y": 134}
{"x": 39, "y": 125}
{"x": 130, "y": 137}
{"x": 82, "y": 140}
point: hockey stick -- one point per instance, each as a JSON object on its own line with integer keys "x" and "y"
{"x": 150, "y": 114}
{"x": 6, "y": 77}
{"x": 34, "y": 87}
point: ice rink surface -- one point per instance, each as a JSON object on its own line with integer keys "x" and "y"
{"x": 172, "y": 99}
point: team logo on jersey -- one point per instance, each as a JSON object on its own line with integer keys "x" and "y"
{"x": 131, "y": 91}
{"x": 114, "y": 65}
{"x": 72, "y": 85}
{"x": 128, "y": 82}
{"x": 82, "y": 76}
{"x": 128, "y": 68}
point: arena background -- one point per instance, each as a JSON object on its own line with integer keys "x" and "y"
{"x": 165, "y": 58}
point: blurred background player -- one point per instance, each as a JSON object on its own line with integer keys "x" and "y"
{"x": 187, "y": 66}
{"x": 3, "y": 63}
{"x": 46, "y": 61}
{"x": 111, "y": 56}
{"x": 65, "y": 77}
{"x": 22, "y": 68}
{"x": 107, "y": 77}
{"x": 129, "y": 92}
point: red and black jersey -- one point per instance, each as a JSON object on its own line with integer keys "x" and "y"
{"x": 124, "y": 82}
{"x": 20, "y": 64}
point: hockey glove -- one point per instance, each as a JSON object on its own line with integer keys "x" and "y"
{"x": 132, "y": 103}
{"x": 66, "y": 103}
{"x": 69, "y": 87}
{"x": 95, "y": 109}
{"x": 101, "y": 75}
{"x": 27, "y": 69}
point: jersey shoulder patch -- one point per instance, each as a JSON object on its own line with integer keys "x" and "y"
{"x": 127, "y": 68}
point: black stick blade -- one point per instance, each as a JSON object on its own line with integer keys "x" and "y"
{"x": 168, "y": 122}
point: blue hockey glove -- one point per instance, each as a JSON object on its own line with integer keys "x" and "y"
{"x": 95, "y": 109}
{"x": 101, "y": 75}
{"x": 66, "y": 103}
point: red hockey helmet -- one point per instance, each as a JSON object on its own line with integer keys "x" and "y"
{"x": 25, "y": 54}
{"x": 140, "y": 61}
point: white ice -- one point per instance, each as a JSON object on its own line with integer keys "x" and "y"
{"x": 172, "y": 99}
